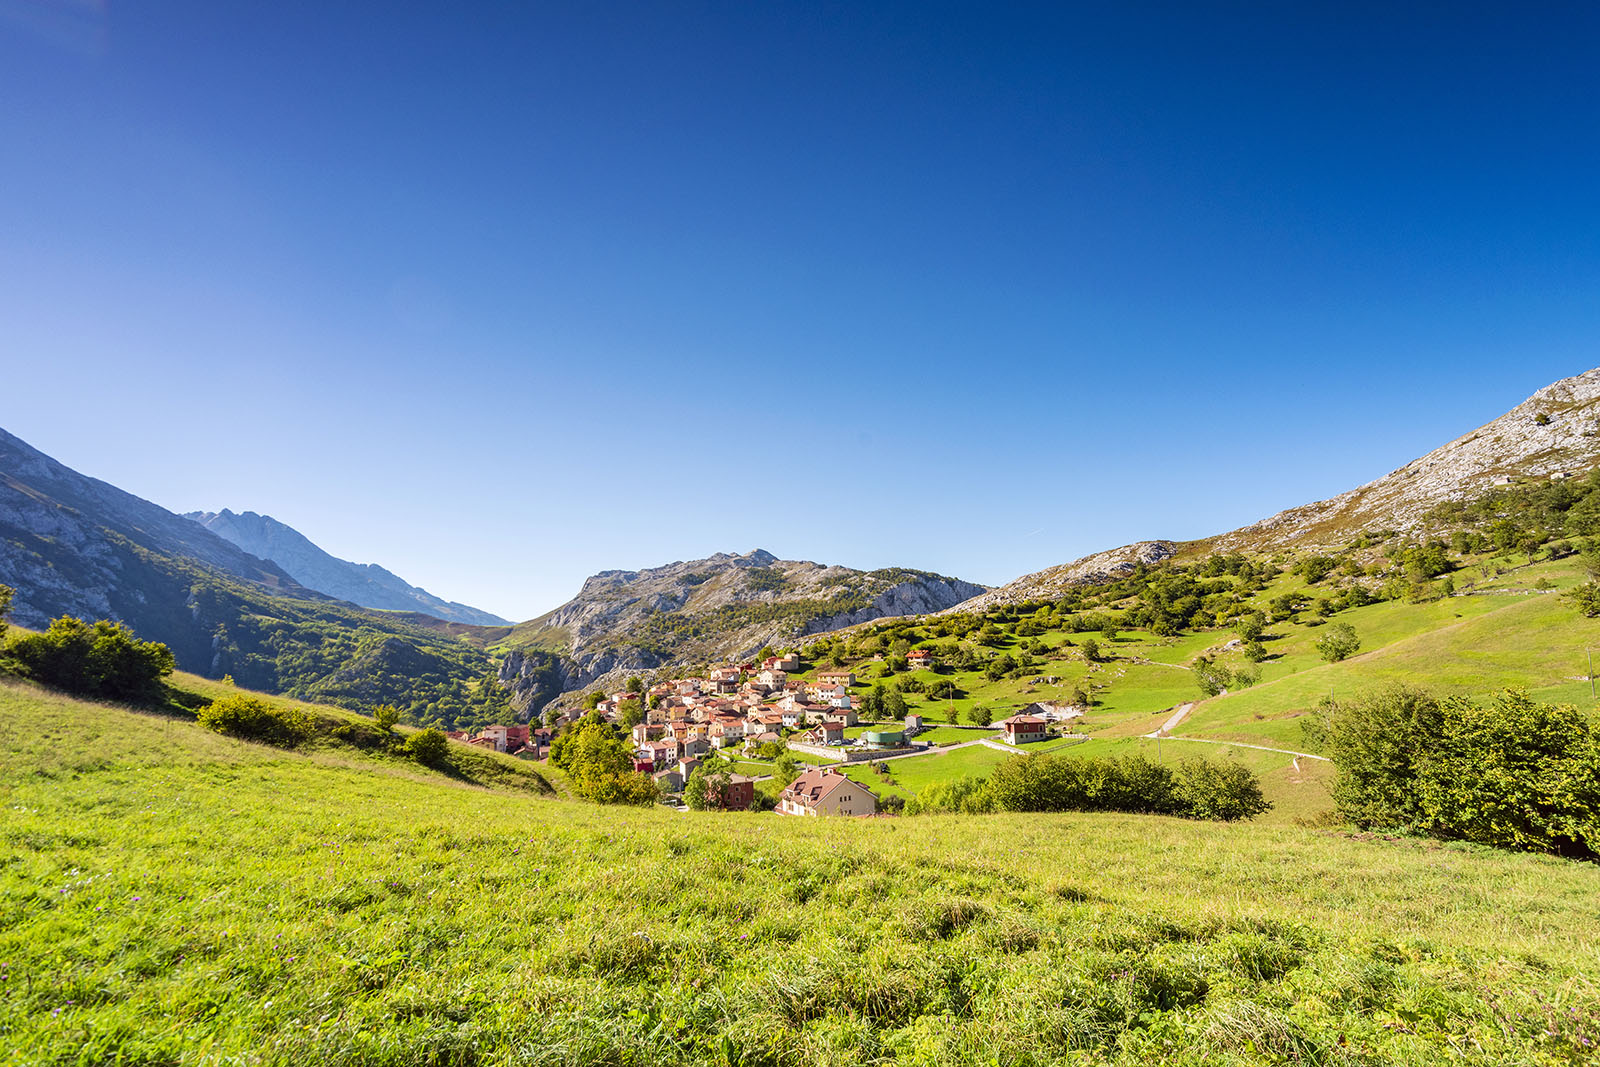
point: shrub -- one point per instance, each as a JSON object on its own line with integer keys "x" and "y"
{"x": 254, "y": 719}
{"x": 1585, "y": 597}
{"x": 1512, "y": 774}
{"x": 103, "y": 660}
{"x": 385, "y": 716}
{"x": 1200, "y": 789}
{"x": 428, "y": 746}
{"x": 1219, "y": 790}
{"x": 1378, "y": 745}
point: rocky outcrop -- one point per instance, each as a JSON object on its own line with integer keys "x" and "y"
{"x": 1554, "y": 432}
{"x": 365, "y": 584}
{"x": 924, "y": 597}
{"x": 1090, "y": 570}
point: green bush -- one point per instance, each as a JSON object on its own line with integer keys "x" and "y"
{"x": 1198, "y": 789}
{"x": 104, "y": 660}
{"x": 1218, "y": 790}
{"x": 1514, "y": 773}
{"x": 428, "y": 746}
{"x": 253, "y": 719}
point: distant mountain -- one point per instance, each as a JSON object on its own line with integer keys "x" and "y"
{"x": 1555, "y": 433}
{"x": 366, "y": 584}
{"x": 712, "y": 609}
{"x": 73, "y": 545}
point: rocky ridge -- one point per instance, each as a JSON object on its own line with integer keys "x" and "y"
{"x": 74, "y": 545}
{"x": 1555, "y": 432}
{"x": 1090, "y": 570}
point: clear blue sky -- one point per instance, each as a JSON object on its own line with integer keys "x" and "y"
{"x": 499, "y": 297}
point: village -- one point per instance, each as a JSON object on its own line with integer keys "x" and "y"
{"x": 760, "y": 711}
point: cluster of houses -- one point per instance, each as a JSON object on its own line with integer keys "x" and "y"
{"x": 738, "y": 710}
{"x": 527, "y": 742}
{"x": 735, "y": 709}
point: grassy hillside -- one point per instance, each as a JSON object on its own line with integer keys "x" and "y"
{"x": 1484, "y": 619}
{"x": 171, "y": 896}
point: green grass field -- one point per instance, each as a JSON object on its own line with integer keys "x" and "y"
{"x": 170, "y": 896}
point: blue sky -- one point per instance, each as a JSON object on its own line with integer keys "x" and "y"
{"x": 501, "y": 295}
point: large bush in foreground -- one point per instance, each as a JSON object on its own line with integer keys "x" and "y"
{"x": 102, "y": 660}
{"x": 1512, "y": 773}
{"x": 254, "y": 719}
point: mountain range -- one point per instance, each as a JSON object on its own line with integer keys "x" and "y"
{"x": 243, "y": 594}
{"x": 365, "y": 584}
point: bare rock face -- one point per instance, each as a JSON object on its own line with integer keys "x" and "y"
{"x": 1090, "y": 570}
{"x": 1556, "y": 431}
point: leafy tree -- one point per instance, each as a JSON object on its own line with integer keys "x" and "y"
{"x": 1585, "y": 597}
{"x": 1251, "y": 625}
{"x": 1091, "y": 650}
{"x": 1513, "y": 774}
{"x": 630, "y": 714}
{"x": 980, "y": 715}
{"x": 6, "y": 593}
{"x": 386, "y": 716}
{"x": 103, "y": 660}
{"x": 1338, "y": 642}
{"x": 600, "y": 765}
{"x": 894, "y": 705}
{"x": 430, "y": 747}
{"x": 1378, "y": 746}
{"x": 708, "y": 784}
{"x": 593, "y": 700}
{"x": 786, "y": 769}
{"x": 1212, "y": 678}
{"x": 1255, "y": 651}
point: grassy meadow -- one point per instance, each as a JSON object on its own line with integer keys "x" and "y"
{"x": 171, "y": 896}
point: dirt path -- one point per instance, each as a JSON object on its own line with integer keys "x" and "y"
{"x": 1177, "y": 716}
{"x": 1241, "y": 744}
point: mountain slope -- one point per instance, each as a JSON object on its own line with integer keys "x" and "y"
{"x": 365, "y": 584}
{"x": 1554, "y": 433}
{"x": 73, "y": 545}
